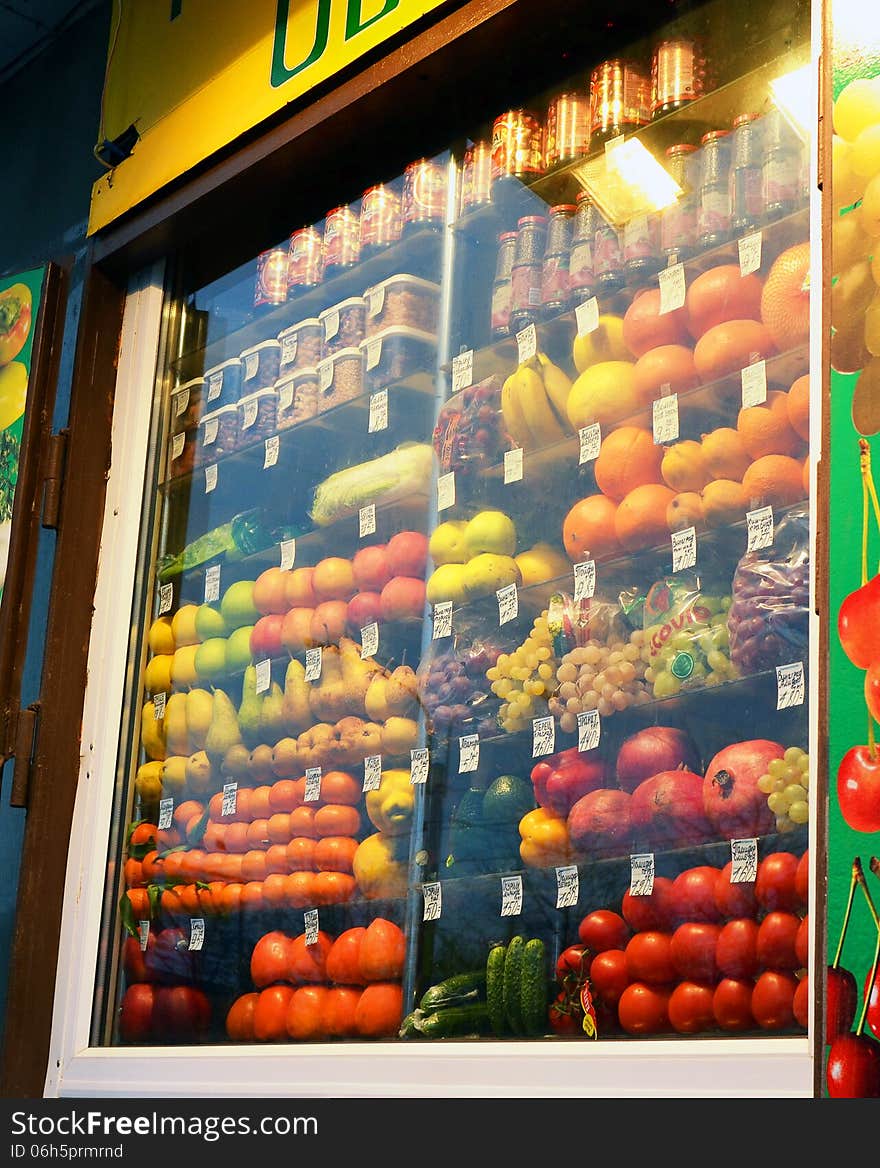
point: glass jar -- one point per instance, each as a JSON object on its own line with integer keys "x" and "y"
{"x": 567, "y": 129}
{"x": 620, "y": 99}
{"x": 678, "y": 74}
{"x": 342, "y": 241}
{"x": 678, "y": 222}
{"x": 581, "y": 280}
{"x": 270, "y": 288}
{"x": 424, "y": 195}
{"x": 476, "y": 176}
{"x": 746, "y": 201}
{"x": 526, "y": 273}
{"x": 641, "y": 248}
{"x": 381, "y": 220}
{"x": 607, "y": 257}
{"x": 304, "y": 260}
{"x": 780, "y": 167}
{"x": 713, "y": 214}
{"x": 555, "y": 290}
{"x": 517, "y": 149}
{"x": 501, "y": 286}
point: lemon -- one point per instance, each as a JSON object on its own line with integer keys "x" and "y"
{"x": 604, "y": 343}
{"x": 160, "y": 638}
{"x": 157, "y": 675}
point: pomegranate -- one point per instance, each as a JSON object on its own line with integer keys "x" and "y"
{"x": 652, "y": 750}
{"x": 667, "y": 810}
{"x": 599, "y": 823}
{"x": 731, "y": 799}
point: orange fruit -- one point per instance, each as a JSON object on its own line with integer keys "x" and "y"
{"x": 382, "y": 952}
{"x": 299, "y": 887}
{"x": 270, "y": 1013}
{"x": 276, "y": 860}
{"x": 251, "y": 896}
{"x": 305, "y": 1013}
{"x": 275, "y": 890}
{"x": 258, "y": 833}
{"x": 278, "y": 828}
{"x": 285, "y": 795}
{"x": 797, "y": 401}
{"x": 139, "y": 899}
{"x": 588, "y": 530}
{"x": 775, "y": 480}
{"x": 230, "y": 899}
{"x": 724, "y": 454}
{"x": 645, "y": 326}
{"x": 785, "y": 300}
{"x": 724, "y": 501}
{"x": 765, "y": 429}
{"x": 333, "y": 887}
{"x": 685, "y": 510}
{"x": 333, "y": 579}
{"x": 340, "y": 787}
{"x": 683, "y": 466}
{"x": 343, "y": 960}
{"x": 261, "y": 807}
{"x": 235, "y": 838}
{"x": 335, "y": 853}
{"x": 340, "y": 1009}
{"x": 627, "y": 458}
{"x": 308, "y": 962}
{"x": 133, "y": 871}
{"x": 720, "y": 294}
{"x": 641, "y": 516}
{"x": 253, "y": 865}
{"x": 664, "y": 365}
{"x": 240, "y": 1018}
{"x": 302, "y": 821}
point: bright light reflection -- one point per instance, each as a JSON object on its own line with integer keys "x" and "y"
{"x": 793, "y": 94}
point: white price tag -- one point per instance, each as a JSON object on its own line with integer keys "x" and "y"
{"x": 210, "y": 478}
{"x": 310, "y": 920}
{"x": 159, "y": 706}
{"x": 177, "y": 444}
{"x": 511, "y": 896}
{"x": 586, "y": 316}
{"x": 289, "y": 345}
{"x": 433, "y": 901}
{"x": 367, "y": 520}
{"x": 272, "y": 447}
{"x": 526, "y": 343}
{"x": 314, "y": 658}
{"x": 325, "y": 375}
{"x": 166, "y": 598}
{"x": 378, "y": 412}
{"x": 230, "y": 800}
{"x": 264, "y": 675}
{"x": 468, "y": 753}
{"x": 754, "y": 384}
{"x": 684, "y": 549}
{"x": 445, "y": 490}
{"x": 462, "y": 370}
{"x": 313, "y": 785}
{"x": 543, "y": 736}
{"x": 331, "y": 324}
{"x": 369, "y": 640}
{"x": 288, "y": 554}
{"x": 759, "y": 524}
{"x": 789, "y": 685}
{"x": 513, "y": 465}
{"x": 672, "y": 289}
{"x": 209, "y": 435}
{"x": 419, "y": 762}
{"x": 215, "y": 385}
{"x": 589, "y": 730}
{"x": 590, "y": 440}
{"x": 181, "y": 402}
{"x": 665, "y": 418}
{"x": 641, "y": 874}
{"x": 508, "y": 604}
{"x": 143, "y": 934}
{"x": 212, "y": 584}
{"x": 743, "y": 861}
{"x": 584, "y": 580}
{"x": 749, "y": 247}
{"x": 374, "y": 352}
{"x": 249, "y": 413}
{"x": 285, "y": 398}
{"x": 251, "y": 365}
{"x": 442, "y": 620}
{"x": 196, "y": 933}
{"x": 567, "y": 886}
{"x": 372, "y": 772}
{"x": 166, "y": 813}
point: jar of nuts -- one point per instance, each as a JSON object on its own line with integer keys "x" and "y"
{"x": 301, "y": 345}
{"x": 256, "y": 416}
{"x": 297, "y": 397}
{"x": 340, "y": 378}
{"x": 402, "y": 300}
{"x": 343, "y": 325}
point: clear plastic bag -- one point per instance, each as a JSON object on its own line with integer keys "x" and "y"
{"x": 470, "y": 432}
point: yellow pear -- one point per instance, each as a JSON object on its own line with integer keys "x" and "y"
{"x": 357, "y": 675}
{"x": 235, "y": 761}
{"x": 148, "y": 782}
{"x": 402, "y": 693}
{"x": 250, "y": 709}
{"x": 183, "y": 667}
{"x": 260, "y": 764}
{"x": 223, "y": 732}
{"x": 399, "y": 737}
{"x": 183, "y": 625}
{"x": 174, "y": 776}
{"x": 152, "y": 733}
{"x": 176, "y": 733}
{"x": 272, "y": 722}
{"x": 296, "y": 710}
{"x": 200, "y": 778}
{"x": 327, "y": 696}
{"x": 199, "y": 711}
{"x": 285, "y": 758}
{"x": 376, "y": 698}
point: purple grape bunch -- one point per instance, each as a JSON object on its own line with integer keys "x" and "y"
{"x": 470, "y": 430}
{"x": 454, "y": 692}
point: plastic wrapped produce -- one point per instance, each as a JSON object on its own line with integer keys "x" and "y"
{"x": 768, "y": 622}
{"x": 452, "y": 686}
{"x": 470, "y": 432}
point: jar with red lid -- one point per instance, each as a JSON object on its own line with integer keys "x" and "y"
{"x": 567, "y": 129}
{"x": 746, "y": 201}
{"x": 305, "y": 265}
{"x": 620, "y": 99}
{"x": 641, "y": 248}
{"x": 501, "y": 286}
{"x": 607, "y": 257}
{"x": 526, "y": 273}
{"x": 713, "y": 214}
{"x": 270, "y": 288}
{"x": 342, "y": 242}
{"x": 678, "y": 74}
{"x": 678, "y": 222}
{"x": 476, "y": 176}
{"x": 517, "y": 149}
{"x": 381, "y": 219}
{"x": 424, "y": 195}
{"x": 555, "y": 290}
{"x": 581, "y": 281}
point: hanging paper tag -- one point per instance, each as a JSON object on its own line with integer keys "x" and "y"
{"x": 166, "y": 813}
{"x": 249, "y": 413}
{"x": 313, "y": 785}
{"x": 419, "y": 762}
{"x": 264, "y": 675}
{"x": 367, "y": 520}
{"x": 209, "y": 435}
{"x": 584, "y": 580}
{"x": 590, "y": 440}
{"x": 445, "y": 490}
{"x": 462, "y": 370}
{"x": 743, "y": 861}
{"x": 325, "y": 375}
{"x": 181, "y": 402}
{"x": 230, "y": 800}
{"x": 754, "y": 384}
{"x": 314, "y": 658}
{"x": 270, "y": 457}
{"x": 289, "y": 345}
{"x": 288, "y": 554}
{"x": 372, "y": 772}
{"x": 212, "y": 584}
{"x": 567, "y": 886}
{"x": 684, "y": 549}
{"x": 210, "y": 478}
{"x": 331, "y": 324}
{"x": 196, "y": 933}
{"x": 589, "y": 730}
{"x": 378, "y": 412}
{"x": 375, "y": 300}
{"x": 369, "y": 640}
{"x": 526, "y": 343}
{"x": 759, "y": 524}
{"x": 586, "y": 316}
{"x": 285, "y": 398}
{"x": 543, "y": 736}
{"x": 468, "y": 753}
{"x": 442, "y": 620}
{"x": 251, "y": 364}
{"x": 177, "y": 444}
{"x": 641, "y": 874}
{"x": 215, "y": 385}
{"x": 143, "y": 934}
{"x": 513, "y": 465}
{"x": 789, "y": 685}
{"x": 310, "y": 921}
{"x": 508, "y": 604}
{"x": 374, "y": 352}
{"x": 749, "y": 247}
{"x": 433, "y": 901}
{"x": 159, "y": 706}
{"x": 665, "y": 418}
{"x": 672, "y": 290}
{"x": 511, "y": 896}
{"x": 166, "y": 598}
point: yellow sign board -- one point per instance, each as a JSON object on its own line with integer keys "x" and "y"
{"x": 193, "y": 75}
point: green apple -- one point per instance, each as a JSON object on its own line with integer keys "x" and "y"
{"x": 210, "y": 622}
{"x": 490, "y": 531}
{"x": 238, "y": 649}
{"x": 237, "y": 606}
{"x": 486, "y": 573}
{"x": 210, "y": 660}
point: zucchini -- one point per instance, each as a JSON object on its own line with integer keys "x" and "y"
{"x": 495, "y": 988}
{"x": 455, "y": 990}
{"x": 512, "y": 984}
{"x": 453, "y": 1021}
{"x": 533, "y": 987}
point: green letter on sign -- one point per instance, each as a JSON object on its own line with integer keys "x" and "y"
{"x": 280, "y": 72}
{"x": 353, "y": 23}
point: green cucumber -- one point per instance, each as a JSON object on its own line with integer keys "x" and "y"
{"x": 512, "y": 984}
{"x": 533, "y": 987}
{"x": 495, "y": 988}
{"x": 409, "y": 1027}
{"x": 455, "y": 990}
{"x": 454, "y": 1021}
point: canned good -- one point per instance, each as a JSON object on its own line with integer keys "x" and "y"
{"x": 424, "y": 195}
{"x": 713, "y": 215}
{"x": 476, "y": 176}
{"x": 304, "y": 259}
{"x": 746, "y": 199}
{"x": 271, "y": 284}
{"x": 678, "y": 222}
{"x": 381, "y": 219}
{"x": 567, "y": 129}
{"x": 678, "y": 74}
{"x": 341, "y": 240}
{"x": 517, "y": 147}
{"x": 620, "y": 99}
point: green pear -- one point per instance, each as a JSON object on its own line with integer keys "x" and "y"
{"x": 297, "y": 710}
{"x": 272, "y": 722}
{"x": 251, "y": 709}
{"x": 237, "y": 604}
{"x": 238, "y": 649}
{"x": 199, "y": 712}
{"x": 210, "y": 660}
{"x": 224, "y": 732}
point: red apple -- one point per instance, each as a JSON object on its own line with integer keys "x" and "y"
{"x": 370, "y": 567}
{"x": 270, "y": 591}
{"x": 652, "y": 750}
{"x": 403, "y": 598}
{"x": 267, "y": 636}
{"x": 329, "y": 621}
{"x": 363, "y": 609}
{"x": 408, "y": 553}
{"x": 296, "y": 629}
{"x": 298, "y": 589}
{"x": 858, "y": 624}
{"x": 858, "y": 788}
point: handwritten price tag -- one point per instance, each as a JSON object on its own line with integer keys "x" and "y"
{"x": 367, "y": 520}
{"x": 511, "y": 896}
{"x": 369, "y": 640}
{"x": 446, "y": 491}
{"x": 468, "y": 753}
{"x": 177, "y": 444}
{"x": 159, "y": 706}
{"x": 314, "y": 662}
{"x": 527, "y": 343}
{"x": 378, "y": 412}
{"x": 789, "y": 685}
{"x": 513, "y": 465}
{"x": 462, "y": 370}
{"x": 584, "y": 580}
{"x": 310, "y": 923}
{"x": 589, "y": 730}
{"x": 665, "y": 418}
{"x": 264, "y": 675}
{"x": 210, "y": 478}
{"x": 743, "y": 861}
{"x": 749, "y": 248}
{"x": 143, "y": 934}
{"x": 212, "y": 584}
{"x": 508, "y": 604}
{"x": 641, "y": 874}
{"x": 230, "y": 800}
{"x": 313, "y": 785}
{"x": 166, "y": 812}
{"x": 196, "y": 933}
{"x": 543, "y": 737}
{"x": 419, "y": 763}
{"x": 442, "y": 620}
{"x": 372, "y": 772}
{"x": 273, "y": 445}
{"x": 672, "y": 289}
{"x": 567, "y": 886}
{"x": 288, "y": 554}
{"x": 433, "y": 901}
{"x": 590, "y": 440}
{"x": 586, "y": 316}
{"x": 759, "y": 525}
{"x": 684, "y": 549}
{"x": 754, "y": 384}
{"x": 166, "y": 598}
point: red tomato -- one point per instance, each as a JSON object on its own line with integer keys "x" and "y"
{"x": 308, "y": 963}
{"x": 133, "y": 962}
{"x": 736, "y": 952}
{"x": 693, "y": 895}
{"x": 776, "y": 883}
{"x": 732, "y": 1004}
{"x": 734, "y": 900}
{"x": 649, "y": 912}
{"x": 775, "y": 944}
{"x": 800, "y": 1003}
{"x": 240, "y": 1018}
{"x": 649, "y": 958}
{"x": 802, "y": 943}
{"x": 565, "y": 1014}
{"x": 181, "y": 1014}
{"x": 136, "y": 1013}
{"x": 644, "y": 1009}
{"x": 773, "y": 999}
{"x": 693, "y": 950}
{"x": 609, "y": 976}
{"x": 690, "y": 1007}
{"x": 340, "y": 1007}
{"x": 573, "y": 965}
{"x": 802, "y": 878}
{"x": 603, "y": 929}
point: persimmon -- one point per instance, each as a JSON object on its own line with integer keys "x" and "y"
{"x": 230, "y": 899}
{"x": 302, "y": 822}
{"x": 335, "y": 853}
{"x": 379, "y": 1010}
{"x": 233, "y": 868}
{"x": 214, "y": 839}
{"x": 169, "y": 903}
{"x": 253, "y": 865}
{"x": 153, "y": 868}
{"x": 305, "y": 1013}
{"x": 189, "y": 900}
{"x": 337, "y": 819}
{"x": 139, "y": 900}
{"x": 244, "y": 799}
{"x": 382, "y": 952}
{"x": 343, "y": 960}
{"x": 278, "y": 827}
{"x": 299, "y": 889}
{"x": 192, "y": 864}
{"x": 261, "y": 806}
{"x": 307, "y": 963}
{"x": 215, "y": 808}
{"x": 270, "y": 959}
{"x": 173, "y": 864}
{"x": 212, "y": 866}
{"x": 275, "y": 890}
{"x": 133, "y": 872}
{"x": 258, "y": 833}
{"x": 340, "y": 1011}
{"x": 270, "y": 1013}
{"x": 286, "y": 795}
{"x": 240, "y": 1018}
{"x": 340, "y": 787}
{"x": 252, "y": 896}
{"x": 332, "y": 887}
{"x": 301, "y": 854}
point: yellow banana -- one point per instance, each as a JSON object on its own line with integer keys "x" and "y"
{"x": 558, "y": 386}
{"x": 511, "y": 411}
{"x": 537, "y": 410}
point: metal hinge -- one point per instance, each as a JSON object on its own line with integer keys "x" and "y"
{"x": 24, "y": 741}
{"x": 53, "y": 478}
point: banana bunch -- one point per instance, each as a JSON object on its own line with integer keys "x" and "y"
{"x": 533, "y": 400}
